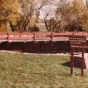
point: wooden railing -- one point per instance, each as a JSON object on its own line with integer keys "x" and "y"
{"x": 47, "y": 36}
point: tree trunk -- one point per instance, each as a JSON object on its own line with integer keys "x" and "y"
{"x": 12, "y": 28}
{"x": 25, "y": 24}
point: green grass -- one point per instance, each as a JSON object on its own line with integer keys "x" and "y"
{"x": 42, "y": 27}
{"x": 38, "y": 71}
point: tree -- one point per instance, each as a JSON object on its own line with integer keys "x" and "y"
{"x": 21, "y": 14}
{"x": 51, "y": 21}
{"x": 71, "y": 14}
{"x": 31, "y": 12}
{"x": 9, "y": 12}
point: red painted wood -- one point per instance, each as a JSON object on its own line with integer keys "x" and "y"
{"x": 82, "y": 62}
{"x": 78, "y": 42}
{"x": 52, "y": 38}
{"x": 72, "y": 60}
{"x": 8, "y": 38}
{"x": 47, "y": 36}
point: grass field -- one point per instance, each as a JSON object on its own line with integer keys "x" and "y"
{"x": 38, "y": 71}
{"x": 42, "y": 27}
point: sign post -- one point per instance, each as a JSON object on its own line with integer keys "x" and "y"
{"x": 78, "y": 42}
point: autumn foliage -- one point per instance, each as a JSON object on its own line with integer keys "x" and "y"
{"x": 23, "y": 15}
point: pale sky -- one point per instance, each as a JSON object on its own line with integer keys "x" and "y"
{"x": 47, "y": 9}
{"x": 50, "y": 9}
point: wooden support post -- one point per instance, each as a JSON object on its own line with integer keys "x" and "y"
{"x": 52, "y": 38}
{"x": 72, "y": 60}
{"x": 82, "y": 62}
{"x": 51, "y": 50}
{"x": 20, "y": 33}
{"x": 34, "y": 38}
{"x": 8, "y": 38}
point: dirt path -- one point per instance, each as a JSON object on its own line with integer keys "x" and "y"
{"x": 64, "y": 54}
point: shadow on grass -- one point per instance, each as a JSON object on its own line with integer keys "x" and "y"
{"x": 66, "y": 64}
{"x": 76, "y": 65}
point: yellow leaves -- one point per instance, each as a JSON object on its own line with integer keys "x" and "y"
{"x": 11, "y": 7}
{"x": 32, "y": 22}
{"x": 1, "y": 17}
{"x": 74, "y": 12}
{"x": 14, "y": 18}
{"x": 15, "y": 6}
{"x": 78, "y": 5}
{"x": 85, "y": 14}
{"x": 2, "y": 28}
{"x": 85, "y": 18}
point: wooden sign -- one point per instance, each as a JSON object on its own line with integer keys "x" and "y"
{"x": 78, "y": 42}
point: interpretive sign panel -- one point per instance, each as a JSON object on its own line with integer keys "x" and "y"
{"x": 78, "y": 42}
